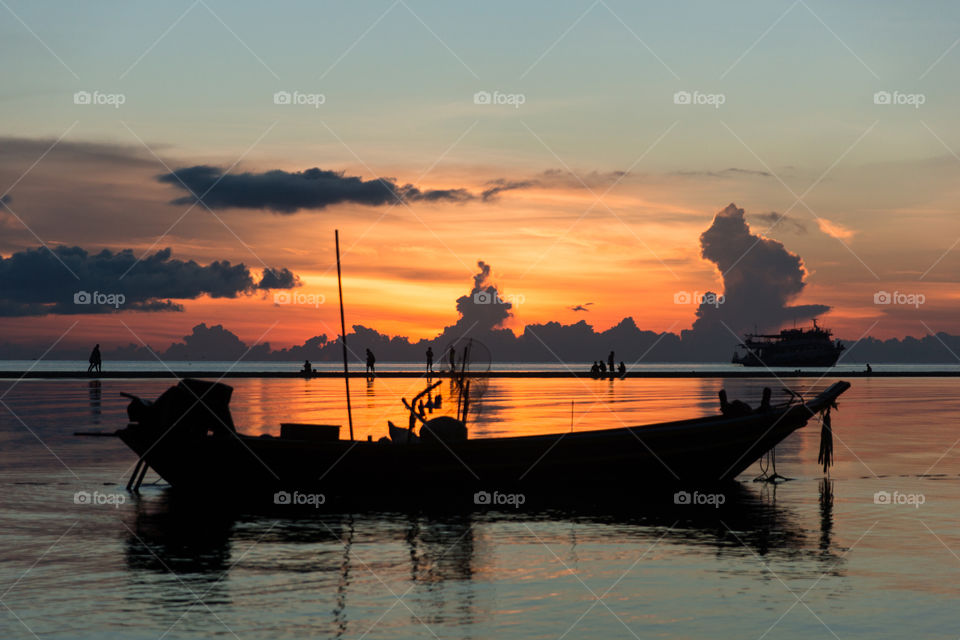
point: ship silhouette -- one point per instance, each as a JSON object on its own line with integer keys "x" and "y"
{"x": 813, "y": 347}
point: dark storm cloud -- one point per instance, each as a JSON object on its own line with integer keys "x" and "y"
{"x": 288, "y": 192}
{"x": 70, "y": 280}
{"x": 484, "y": 308}
{"x": 278, "y": 279}
{"x": 760, "y": 279}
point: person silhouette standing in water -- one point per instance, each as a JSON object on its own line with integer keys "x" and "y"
{"x": 610, "y": 363}
{"x": 371, "y": 361}
{"x": 429, "y": 359}
{"x": 452, "y": 356}
{"x": 95, "y": 360}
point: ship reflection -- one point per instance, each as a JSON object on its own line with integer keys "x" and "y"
{"x": 430, "y": 559}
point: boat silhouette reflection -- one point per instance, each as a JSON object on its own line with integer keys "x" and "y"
{"x": 439, "y": 553}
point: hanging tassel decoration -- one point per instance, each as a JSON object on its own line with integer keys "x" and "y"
{"x": 826, "y": 442}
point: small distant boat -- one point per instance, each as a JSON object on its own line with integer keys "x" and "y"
{"x": 194, "y": 446}
{"x": 790, "y": 348}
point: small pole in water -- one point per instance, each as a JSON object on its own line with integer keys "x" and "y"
{"x": 343, "y": 333}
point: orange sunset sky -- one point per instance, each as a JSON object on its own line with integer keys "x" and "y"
{"x": 617, "y": 176}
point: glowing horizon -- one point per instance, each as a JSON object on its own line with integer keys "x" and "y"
{"x": 582, "y": 169}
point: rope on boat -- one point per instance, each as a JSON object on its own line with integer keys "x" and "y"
{"x": 768, "y": 468}
{"x": 826, "y": 442}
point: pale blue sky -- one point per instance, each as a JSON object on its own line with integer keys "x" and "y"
{"x": 599, "y": 96}
{"x": 879, "y": 182}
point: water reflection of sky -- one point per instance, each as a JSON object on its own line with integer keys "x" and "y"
{"x": 160, "y": 562}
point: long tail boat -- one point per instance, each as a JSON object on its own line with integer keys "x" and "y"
{"x": 188, "y": 437}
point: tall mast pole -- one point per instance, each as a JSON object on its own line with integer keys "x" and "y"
{"x": 343, "y": 333}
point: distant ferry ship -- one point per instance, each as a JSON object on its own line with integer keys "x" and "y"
{"x": 789, "y": 348}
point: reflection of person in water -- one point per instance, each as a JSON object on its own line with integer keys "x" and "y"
{"x": 94, "y": 391}
{"x": 95, "y": 360}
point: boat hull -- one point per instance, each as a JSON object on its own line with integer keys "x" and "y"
{"x": 630, "y": 459}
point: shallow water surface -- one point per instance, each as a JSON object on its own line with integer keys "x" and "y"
{"x": 870, "y": 552}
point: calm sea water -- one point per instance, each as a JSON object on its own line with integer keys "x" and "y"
{"x": 805, "y": 559}
{"x": 288, "y": 366}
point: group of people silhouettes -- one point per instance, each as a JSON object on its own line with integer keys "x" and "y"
{"x": 451, "y": 360}
{"x": 598, "y": 370}
{"x": 601, "y": 369}
{"x": 307, "y": 369}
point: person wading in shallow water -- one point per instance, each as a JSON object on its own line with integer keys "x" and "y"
{"x": 95, "y": 360}
{"x": 371, "y": 361}
{"x": 429, "y": 359}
